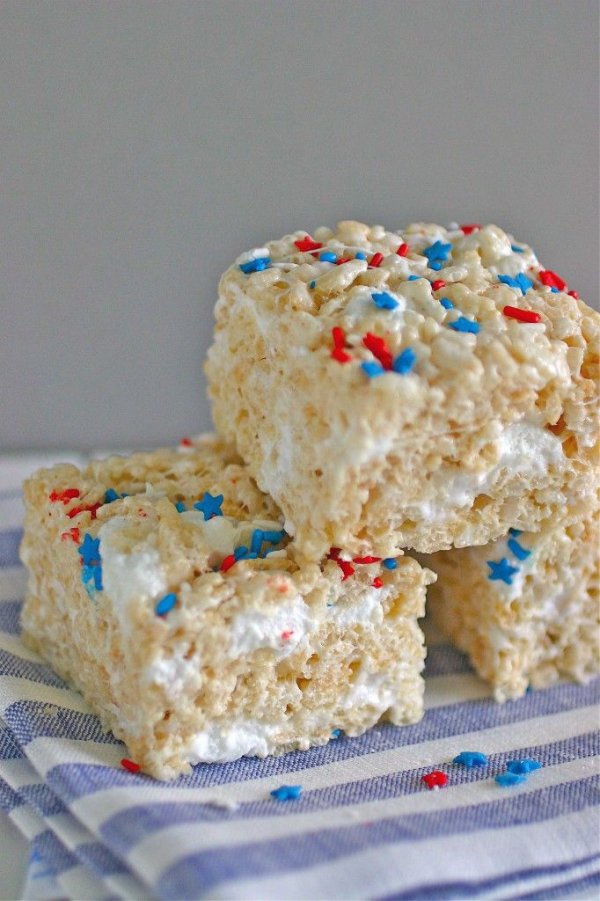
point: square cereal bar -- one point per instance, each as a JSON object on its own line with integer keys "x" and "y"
{"x": 163, "y": 587}
{"x": 422, "y": 389}
{"x": 525, "y": 608}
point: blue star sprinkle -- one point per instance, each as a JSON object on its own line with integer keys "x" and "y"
{"x": 501, "y": 571}
{"x": 464, "y": 325}
{"x": 437, "y": 252}
{"x": 256, "y": 265}
{"x": 372, "y": 369}
{"x": 383, "y": 300}
{"x": 210, "y": 506}
{"x": 508, "y": 779}
{"x": 526, "y": 765}
{"x": 390, "y": 563}
{"x": 520, "y": 552}
{"x": 471, "y": 759}
{"x": 520, "y": 282}
{"x": 446, "y": 303}
{"x": 165, "y": 604}
{"x": 287, "y": 792}
{"x": 90, "y": 550}
{"x": 405, "y": 361}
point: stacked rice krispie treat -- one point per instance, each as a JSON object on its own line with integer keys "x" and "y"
{"x": 432, "y": 390}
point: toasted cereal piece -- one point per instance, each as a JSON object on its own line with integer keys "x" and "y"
{"x": 163, "y": 587}
{"x": 525, "y": 608}
{"x": 422, "y": 389}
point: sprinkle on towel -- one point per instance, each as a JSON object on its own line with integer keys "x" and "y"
{"x": 287, "y": 792}
{"x": 520, "y": 282}
{"x": 210, "y": 505}
{"x": 501, "y": 571}
{"x": 130, "y": 766}
{"x": 521, "y": 315}
{"x": 165, "y": 604}
{"x": 465, "y": 325}
{"x": 551, "y": 279}
{"x": 523, "y": 766}
{"x": 68, "y": 494}
{"x": 383, "y": 300}
{"x": 307, "y": 244}
{"x": 435, "y": 779}
{"x": 471, "y": 759}
{"x": 508, "y": 779}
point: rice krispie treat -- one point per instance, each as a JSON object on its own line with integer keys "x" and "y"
{"x": 525, "y": 608}
{"x": 164, "y": 587}
{"x": 416, "y": 389}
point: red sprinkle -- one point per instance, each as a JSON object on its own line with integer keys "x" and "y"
{"x": 227, "y": 563}
{"x": 435, "y": 779}
{"x": 334, "y": 553}
{"x": 339, "y": 340}
{"x": 186, "y": 442}
{"x": 468, "y": 229}
{"x": 346, "y": 568}
{"x": 574, "y": 294}
{"x": 287, "y": 635}
{"x": 71, "y": 535}
{"x": 342, "y": 260}
{"x": 438, "y": 284}
{"x": 376, "y": 260}
{"x": 551, "y": 279}
{"x": 90, "y": 508}
{"x": 366, "y": 559}
{"x": 403, "y": 250}
{"x": 377, "y": 583}
{"x": 339, "y": 354}
{"x": 130, "y": 766}
{"x": 307, "y": 243}
{"x": 65, "y": 496}
{"x": 521, "y": 315}
{"x": 379, "y": 349}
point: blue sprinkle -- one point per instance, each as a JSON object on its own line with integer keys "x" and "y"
{"x": 526, "y": 765}
{"x": 328, "y": 257}
{"x": 274, "y": 537}
{"x": 91, "y": 573}
{"x": 405, "y": 361}
{"x": 471, "y": 759}
{"x": 240, "y": 552}
{"x": 436, "y": 265}
{"x": 464, "y": 325}
{"x": 287, "y": 792}
{"x": 437, "y": 252}
{"x": 165, "y": 604}
{"x": 110, "y": 496}
{"x": 336, "y": 733}
{"x": 257, "y": 540}
{"x": 210, "y": 505}
{"x": 515, "y": 548}
{"x": 360, "y": 256}
{"x": 180, "y": 507}
{"x": 390, "y": 563}
{"x": 90, "y": 550}
{"x": 501, "y": 571}
{"x": 383, "y": 300}
{"x": 516, "y": 249}
{"x": 372, "y": 369}
{"x": 508, "y": 779}
{"x": 521, "y": 282}
{"x": 413, "y": 278}
{"x": 515, "y": 532}
{"x": 446, "y": 303}
{"x": 554, "y": 291}
{"x": 256, "y": 265}
{"x": 312, "y": 284}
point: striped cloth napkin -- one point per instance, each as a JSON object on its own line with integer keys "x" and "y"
{"x": 365, "y": 825}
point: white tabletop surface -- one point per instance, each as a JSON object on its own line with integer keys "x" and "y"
{"x": 13, "y": 860}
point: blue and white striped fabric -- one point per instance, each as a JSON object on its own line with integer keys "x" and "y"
{"x": 365, "y": 825}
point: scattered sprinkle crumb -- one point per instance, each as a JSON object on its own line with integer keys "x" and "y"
{"x": 435, "y": 779}
{"x": 287, "y": 792}
{"x": 471, "y": 759}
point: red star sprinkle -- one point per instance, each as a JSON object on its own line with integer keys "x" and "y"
{"x": 379, "y": 349}
{"x": 376, "y": 260}
{"x": 346, "y": 568}
{"x": 469, "y": 229}
{"x": 71, "y": 535}
{"x": 307, "y": 243}
{"x": 438, "y": 284}
{"x": 403, "y": 250}
{"x": 521, "y": 315}
{"x": 551, "y": 279}
{"x": 377, "y": 583}
{"x": 130, "y": 766}
{"x": 65, "y": 496}
{"x": 435, "y": 779}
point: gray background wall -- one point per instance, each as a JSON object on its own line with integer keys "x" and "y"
{"x": 146, "y": 144}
